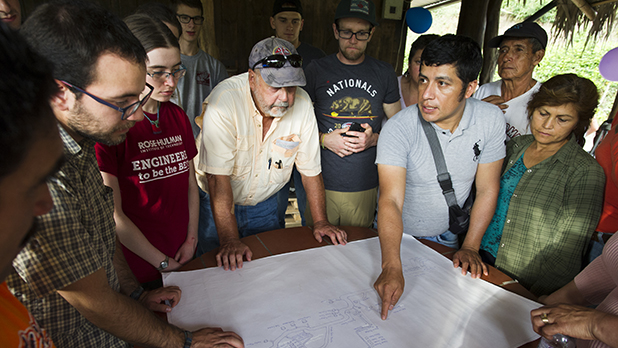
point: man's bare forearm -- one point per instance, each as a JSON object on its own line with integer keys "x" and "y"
{"x": 119, "y": 315}
{"x": 222, "y": 203}
{"x": 126, "y": 278}
{"x": 314, "y": 186}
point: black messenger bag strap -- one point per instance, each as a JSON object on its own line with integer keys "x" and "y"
{"x": 444, "y": 178}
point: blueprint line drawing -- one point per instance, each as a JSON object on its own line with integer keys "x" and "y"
{"x": 324, "y": 298}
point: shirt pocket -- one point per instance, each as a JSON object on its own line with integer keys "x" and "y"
{"x": 283, "y": 155}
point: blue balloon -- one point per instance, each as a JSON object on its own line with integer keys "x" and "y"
{"x": 418, "y": 19}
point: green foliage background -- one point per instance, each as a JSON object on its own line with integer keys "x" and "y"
{"x": 561, "y": 57}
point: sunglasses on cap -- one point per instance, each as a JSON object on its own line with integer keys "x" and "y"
{"x": 278, "y": 61}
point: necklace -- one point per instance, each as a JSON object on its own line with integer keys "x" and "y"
{"x": 156, "y": 127}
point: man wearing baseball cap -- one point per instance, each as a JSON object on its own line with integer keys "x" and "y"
{"x": 256, "y": 127}
{"x": 287, "y": 21}
{"x": 352, "y": 93}
{"x": 522, "y": 48}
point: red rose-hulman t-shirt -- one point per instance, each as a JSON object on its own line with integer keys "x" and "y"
{"x": 153, "y": 175}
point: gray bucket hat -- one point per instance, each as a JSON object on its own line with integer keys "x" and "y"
{"x": 286, "y": 76}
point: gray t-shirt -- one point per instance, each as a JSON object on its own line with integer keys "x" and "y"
{"x": 203, "y": 73}
{"x": 343, "y": 94}
{"x": 479, "y": 138}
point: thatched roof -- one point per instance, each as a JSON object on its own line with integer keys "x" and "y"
{"x": 569, "y": 18}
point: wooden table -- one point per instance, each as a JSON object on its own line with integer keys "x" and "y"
{"x": 300, "y": 238}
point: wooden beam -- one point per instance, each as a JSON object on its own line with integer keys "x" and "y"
{"x": 599, "y": 3}
{"x": 585, "y": 7}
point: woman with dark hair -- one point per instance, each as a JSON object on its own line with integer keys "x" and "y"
{"x": 551, "y": 190}
{"x": 408, "y": 82}
{"x": 156, "y": 200}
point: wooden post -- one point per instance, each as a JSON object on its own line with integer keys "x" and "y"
{"x": 472, "y": 19}
{"x": 490, "y": 54}
{"x": 208, "y": 37}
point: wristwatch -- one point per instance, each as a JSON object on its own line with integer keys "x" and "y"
{"x": 163, "y": 265}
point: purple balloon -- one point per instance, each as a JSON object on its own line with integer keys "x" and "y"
{"x": 608, "y": 66}
{"x": 418, "y": 19}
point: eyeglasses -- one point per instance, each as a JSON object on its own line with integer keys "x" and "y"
{"x": 126, "y": 112}
{"x": 360, "y": 35}
{"x": 186, "y": 19}
{"x": 162, "y": 76}
{"x": 278, "y": 61}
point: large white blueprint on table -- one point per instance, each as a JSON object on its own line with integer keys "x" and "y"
{"x": 324, "y": 297}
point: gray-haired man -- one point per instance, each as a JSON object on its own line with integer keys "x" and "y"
{"x": 257, "y": 126}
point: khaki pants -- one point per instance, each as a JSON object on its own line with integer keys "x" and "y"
{"x": 349, "y": 208}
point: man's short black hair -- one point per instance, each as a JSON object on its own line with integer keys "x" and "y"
{"x": 190, "y": 3}
{"x": 460, "y": 51}
{"x": 26, "y": 86}
{"x": 73, "y": 34}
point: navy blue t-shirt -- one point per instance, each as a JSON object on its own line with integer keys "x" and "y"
{"x": 343, "y": 94}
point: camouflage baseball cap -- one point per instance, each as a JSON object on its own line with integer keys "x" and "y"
{"x": 286, "y": 76}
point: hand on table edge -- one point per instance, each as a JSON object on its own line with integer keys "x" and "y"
{"x": 470, "y": 258}
{"x": 324, "y": 228}
{"x": 230, "y": 254}
{"x": 389, "y": 285}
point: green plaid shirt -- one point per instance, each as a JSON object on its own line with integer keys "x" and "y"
{"x": 553, "y": 212}
{"x": 72, "y": 241}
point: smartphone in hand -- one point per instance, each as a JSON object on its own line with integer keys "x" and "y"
{"x": 354, "y": 127}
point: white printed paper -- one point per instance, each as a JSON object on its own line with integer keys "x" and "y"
{"x": 324, "y": 297}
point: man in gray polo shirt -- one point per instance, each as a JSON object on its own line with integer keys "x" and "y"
{"x": 471, "y": 135}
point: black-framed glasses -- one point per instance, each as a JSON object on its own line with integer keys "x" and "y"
{"x": 278, "y": 61}
{"x": 186, "y": 19}
{"x": 360, "y": 35}
{"x": 162, "y": 76}
{"x": 126, "y": 112}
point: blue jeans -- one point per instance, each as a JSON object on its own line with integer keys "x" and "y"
{"x": 207, "y": 237}
{"x": 447, "y": 239}
{"x": 284, "y": 193}
{"x": 595, "y": 248}
{"x": 251, "y": 220}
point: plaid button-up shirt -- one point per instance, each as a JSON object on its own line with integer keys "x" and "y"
{"x": 552, "y": 214}
{"x": 72, "y": 241}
